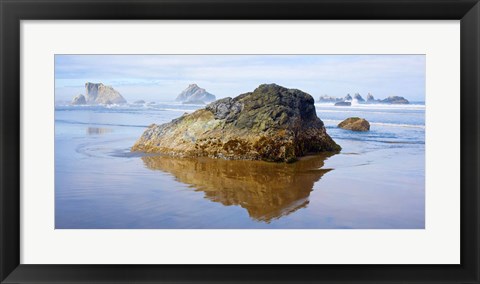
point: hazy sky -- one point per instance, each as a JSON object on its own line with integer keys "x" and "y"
{"x": 163, "y": 77}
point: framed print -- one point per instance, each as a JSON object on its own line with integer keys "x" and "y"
{"x": 212, "y": 141}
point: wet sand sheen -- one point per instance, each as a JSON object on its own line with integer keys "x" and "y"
{"x": 374, "y": 184}
{"x": 266, "y": 190}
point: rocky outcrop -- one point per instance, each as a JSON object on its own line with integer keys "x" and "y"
{"x": 358, "y": 98}
{"x": 194, "y": 93}
{"x": 79, "y": 100}
{"x": 395, "y": 100}
{"x": 139, "y": 102}
{"x": 328, "y": 99}
{"x": 98, "y": 93}
{"x": 272, "y": 123}
{"x": 355, "y": 124}
{"x": 343, "y": 104}
{"x": 370, "y": 98}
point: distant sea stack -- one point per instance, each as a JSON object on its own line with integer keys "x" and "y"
{"x": 329, "y": 99}
{"x": 272, "y": 123}
{"x": 98, "y": 93}
{"x": 395, "y": 100}
{"x": 79, "y": 100}
{"x": 359, "y": 99}
{"x": 370, "y": 98}
{"x": 194, "y": 93}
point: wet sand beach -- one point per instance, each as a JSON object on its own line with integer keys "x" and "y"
{"x": 375, "y": 182}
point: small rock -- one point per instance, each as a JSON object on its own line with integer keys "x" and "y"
{"x": 355, "y": 124}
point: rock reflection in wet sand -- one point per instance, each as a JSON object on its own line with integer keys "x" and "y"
{"x": 266, "y": 190}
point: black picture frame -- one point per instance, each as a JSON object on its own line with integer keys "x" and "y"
{"x": 13, "y": 11}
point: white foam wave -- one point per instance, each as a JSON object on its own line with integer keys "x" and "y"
{"x": 178, "y": 109}
{"x": 335, "y": 121}
{"x": 346, "y": 110}
{"x": 371, "y": 106}
{"x": 398, "y": 125}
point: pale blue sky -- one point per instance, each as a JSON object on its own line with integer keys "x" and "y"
{"x": 163, "y": 77}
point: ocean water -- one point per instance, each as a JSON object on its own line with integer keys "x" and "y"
{"x": 376, "y": 182}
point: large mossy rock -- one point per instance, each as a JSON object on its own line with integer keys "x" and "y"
{"x": 272, "y": 123}
{"x": 355, "y": 124}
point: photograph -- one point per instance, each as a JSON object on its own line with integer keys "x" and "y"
{"x": 240, "y": 141}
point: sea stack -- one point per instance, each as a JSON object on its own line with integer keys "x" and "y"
{"x": 193, "y": 93}
{"x": 79, "y": 100}
{"x": 370, "y": 98}
{"x": 272, "y": 123}
{"x": 328, "y": 99}
{"x": 395, "y": 100}
{"x": 98, "y": 93}
{"x": 358, "y": 98}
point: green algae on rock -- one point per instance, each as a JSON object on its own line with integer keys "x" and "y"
{"x": 272, "y": 123}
